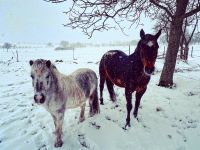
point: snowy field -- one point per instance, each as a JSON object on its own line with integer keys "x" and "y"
{"x": 169, "y": 119}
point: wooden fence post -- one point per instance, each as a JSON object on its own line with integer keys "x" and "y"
{"x": 164, "y": 52}
{"x": 192, "y": 52}
{"x": 73, "y": 54}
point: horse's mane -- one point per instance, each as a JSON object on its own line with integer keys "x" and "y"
{"x": 137, "y": 49}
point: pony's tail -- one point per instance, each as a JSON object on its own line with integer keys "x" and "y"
{"x": 94, "y": 103}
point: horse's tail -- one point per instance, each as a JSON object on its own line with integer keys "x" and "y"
{"x": 94, "y": 103}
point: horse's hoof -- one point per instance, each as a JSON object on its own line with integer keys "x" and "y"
{"x": 101, "y": 101}
{"x": 58, "y": 143}
{"x": 135, "y": 115}
{"x": 125, "y": 127}
{"x": 128, "y": 124}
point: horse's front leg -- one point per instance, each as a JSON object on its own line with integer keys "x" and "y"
{"x": 58, "y": 122}
{"x": 138, "y": 97}
{"x": 128, "y": 94}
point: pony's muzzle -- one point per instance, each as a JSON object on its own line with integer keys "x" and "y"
{"x": 39, "y": 98}
{"x": 149, "y": 70}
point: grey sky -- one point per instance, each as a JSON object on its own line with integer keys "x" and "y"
{"x": 35, "y": 21}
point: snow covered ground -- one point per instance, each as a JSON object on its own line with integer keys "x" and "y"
{"x": 169, "y": 119}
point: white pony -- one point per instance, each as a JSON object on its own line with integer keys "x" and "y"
{"x": 58, "y": 92}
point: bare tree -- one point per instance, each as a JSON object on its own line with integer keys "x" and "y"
{"x": 186, "y": 37}
{"x": 7, "y": 45}
{"x": 49, "y": 44}
{"x": 188, "y": 29}
{"x": 98, "y": 15}
{"x": 64, "y": 44}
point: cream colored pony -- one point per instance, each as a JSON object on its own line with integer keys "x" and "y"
{"x": 58, "y": 92}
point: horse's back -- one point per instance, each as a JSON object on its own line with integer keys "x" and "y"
{"x": 113, "y": 65}
{"x": 113, "y": 58}
{"x": 115, "y": 53}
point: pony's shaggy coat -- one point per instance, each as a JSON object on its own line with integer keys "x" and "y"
{"x": 58, "y": 92}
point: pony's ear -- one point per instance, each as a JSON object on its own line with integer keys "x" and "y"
{"x": 48, "y": 63}
{"x": 158, "y": 34}
{"x": 31, "y": 62}
{"x": 142, "y": 34}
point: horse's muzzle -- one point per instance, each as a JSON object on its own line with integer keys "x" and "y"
{"x": 39, "y": 98}
{"x": 148, "y": 70}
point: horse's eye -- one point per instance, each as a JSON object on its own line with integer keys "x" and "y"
{"x": 32, "y": 76}
{"x": 47, "y": 77}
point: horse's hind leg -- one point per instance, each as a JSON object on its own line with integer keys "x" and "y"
{"x": 82, "y": 113}
{"x": 111, "y": 90}
{"x": 138, "y": 97}
{"x": 102, "y": 81}
{"x": 94, "y": 103}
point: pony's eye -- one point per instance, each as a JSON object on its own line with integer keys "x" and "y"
{"x": 32, "y": 76}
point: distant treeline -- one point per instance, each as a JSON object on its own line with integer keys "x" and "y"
{"x": 8, "y": 45}
{"x": 65, "y": 45}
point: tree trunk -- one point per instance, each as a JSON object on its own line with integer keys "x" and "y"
{"x": 166, "y": 78}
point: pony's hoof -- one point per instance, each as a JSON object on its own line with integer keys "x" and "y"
{"x": 101, "y": 103}
{"x": 81, "y": 120}
{"x": 58, "y": 143}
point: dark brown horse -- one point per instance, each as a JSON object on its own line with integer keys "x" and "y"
{"x": 130, "y": 72}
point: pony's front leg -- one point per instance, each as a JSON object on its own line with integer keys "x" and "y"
{"x": 138, "y": 97}
{"x": 58, "y": 122}
{"x": 128, "y": 94}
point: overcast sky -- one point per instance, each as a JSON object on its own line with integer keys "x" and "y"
{"x": 36, "y": 21}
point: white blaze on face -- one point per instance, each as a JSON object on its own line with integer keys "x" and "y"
{"x": 150, "y": 43}
{"x": 111, "y": 53}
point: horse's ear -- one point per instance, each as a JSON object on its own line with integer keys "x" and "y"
{"x": 48, "y": 63}
{"x": 158, "y": 34}
{"x": 31, "y": 62}
{"x": 142, "y": 34}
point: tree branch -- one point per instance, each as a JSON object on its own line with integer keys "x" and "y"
{"x": 192, "y": 12}
{"x": 55, "y": 1}
{"x": 162, "y": 7}
{"x": 195, "y": 26}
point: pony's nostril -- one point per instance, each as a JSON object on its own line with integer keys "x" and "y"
{"x": 39, "y": 98}
{"x": 35, "y": 98}
{"x": 42, "y": 99}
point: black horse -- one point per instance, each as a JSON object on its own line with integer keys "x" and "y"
{"x": 130, "y": 72}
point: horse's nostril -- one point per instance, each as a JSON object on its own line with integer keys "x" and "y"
{"x": 149, "y": 70}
